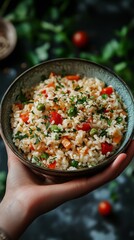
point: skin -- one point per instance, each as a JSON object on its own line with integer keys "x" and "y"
{"x": 27, "y": 196}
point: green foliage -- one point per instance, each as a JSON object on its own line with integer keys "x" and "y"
{"x": 49, "y": 36}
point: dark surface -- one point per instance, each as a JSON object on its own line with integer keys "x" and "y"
{"x": 79, "y": 219}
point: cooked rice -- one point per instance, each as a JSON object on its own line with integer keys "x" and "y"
{"x": 68, "y": 124}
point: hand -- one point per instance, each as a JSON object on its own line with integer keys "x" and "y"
{"x": 27, "y": 196}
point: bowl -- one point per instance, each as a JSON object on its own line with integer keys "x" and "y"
{"x": 33, "y": 76}
{"x": 8, "y": 38}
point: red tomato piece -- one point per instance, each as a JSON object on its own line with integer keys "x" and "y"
{"x": 52, "y": 165}
{"x": 24, "y": 117}
{"x": 84, "y": 126}
{"x": 80, "y": 39}
{"x": 52, "y": 74}
{"x": 107, "y": 90}
{"x": 73, "y": 77}
{"x": 106, "y": 147}
{"x": 56, "y": 117}
{"x": 106, "y": 110}
{"x": 105, "y": 208}
{"x": 19, "y": 105}
{"x": 45, "y": 93}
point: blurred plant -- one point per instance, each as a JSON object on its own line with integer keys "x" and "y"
{"x": 53, "y": 38}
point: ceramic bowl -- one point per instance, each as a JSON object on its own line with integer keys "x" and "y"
{"x": 34, "y": 75}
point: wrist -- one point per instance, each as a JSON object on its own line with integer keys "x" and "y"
{"x": 13, "y": 218}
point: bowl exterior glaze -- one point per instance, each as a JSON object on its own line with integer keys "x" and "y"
{"x": 37, "y": 73}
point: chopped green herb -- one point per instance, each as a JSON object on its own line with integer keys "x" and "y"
{"x": 119, "y": 119}
{"x": 38, "y": 129}
{"x": 92, "y": 97}
{"x": 44, "y": 155}
{"x": 47, "y": 125}
{"x": 72, "y": 112}
{"x": 101, "y": 110}
{"x": 45, "y": 117}
{"x": 74, "y": 163}
{"x": 103, "y": 133}
{"x": 78, "y": 88}
{"x": 37, "y": 138}
{"x": 57, "y": 136}
{"x": 72, "y": 98}
{"x": 57, "y": 87}
{"x": 81, "y": 100}
{"x": 20, "y": 136}
{"x": 55, "y": 99}
{"x": 55, "y": 128}
{"x": 109, "y": 122}
{"x": 30, "y": 131}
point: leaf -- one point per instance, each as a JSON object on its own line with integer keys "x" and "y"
{"x": 120, "y": 66}
{"x": 24, "y": 30}
{"x": 42, "y": 51}
{"x": 110, "y": 49}
{"x": 32, "y": 58}
{"x": 54, "y": 13}
{"x": 123, "y": 32}
{"x": 52, "y": 27}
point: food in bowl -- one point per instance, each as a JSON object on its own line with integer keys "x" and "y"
{"x": 68, "y": 122}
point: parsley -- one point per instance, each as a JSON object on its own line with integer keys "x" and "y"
{"x": 81, "y": 100}
{"x": 20, "y": 136}
{"x": 78, "y": 88}
{"x": 44, "y": 155}
{"x": 55, "y": 99}
{"x": 103, "y": 133}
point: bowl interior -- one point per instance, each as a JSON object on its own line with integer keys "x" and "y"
{"x": 65, "y": 66}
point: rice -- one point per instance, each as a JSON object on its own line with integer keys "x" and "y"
{"x": 68, "y": 122}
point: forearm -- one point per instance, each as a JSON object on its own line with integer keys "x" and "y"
{"x": 13, "y": 218}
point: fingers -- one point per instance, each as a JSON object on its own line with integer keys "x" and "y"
{"x": 79, "y": 187}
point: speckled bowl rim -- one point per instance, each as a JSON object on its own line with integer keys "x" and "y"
{"x": 66, "y": 173}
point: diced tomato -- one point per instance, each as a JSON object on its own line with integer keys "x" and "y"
{"x": 73, "y": 77}
{"x": 52, "y": 165}
{"x": 24, "y": 117}
{"x": 56, "y": 117}
{"x": 85, "y": 126}
{"x": 106, "y": 110}
{"x": 45, "y": 93}
{"x": 19, "y": 105}
{"x": 107, "y": 90}
{"x": 106, "y": 147}
{"x": 31, "y": 147}
{"x": 52, "y": 74}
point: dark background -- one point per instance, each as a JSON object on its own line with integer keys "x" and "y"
{"x": 77, "y": 219}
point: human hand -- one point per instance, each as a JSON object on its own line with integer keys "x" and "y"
{"x": 27, "y": 196}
